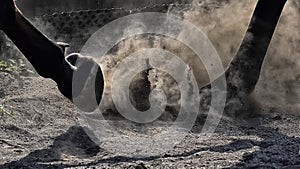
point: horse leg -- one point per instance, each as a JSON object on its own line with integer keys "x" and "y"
{"x": 244, "y": 70}
{"x": 46, "y": 56}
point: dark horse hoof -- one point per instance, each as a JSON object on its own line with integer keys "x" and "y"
{"x": 87, "y": 83}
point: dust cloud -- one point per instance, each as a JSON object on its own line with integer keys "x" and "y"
{"x": 224, "y": 23}
{"x": 279, "y": 84}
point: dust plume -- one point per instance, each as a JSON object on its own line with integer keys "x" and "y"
{"x": 225, "y": 26}
{"x": 225, "y": 23}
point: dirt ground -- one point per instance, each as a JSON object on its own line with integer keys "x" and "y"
{"x": 44, "y": 133}
{"x": 41, "y": 127}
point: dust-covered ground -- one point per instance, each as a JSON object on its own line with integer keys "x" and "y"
{"x": 41, "y": 130}
{"x": 44, "y": 133}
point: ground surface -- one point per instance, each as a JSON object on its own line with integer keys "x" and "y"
{"x": 45, "y": 133}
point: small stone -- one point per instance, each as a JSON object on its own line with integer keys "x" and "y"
{"x": 141, "y": 166}
{"x": 18, "y": 151}
{"x": 277, "y": 117}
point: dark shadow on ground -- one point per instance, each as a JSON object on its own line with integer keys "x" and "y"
{"x": 276, "y": 150}
{"x": 75, "y": 142}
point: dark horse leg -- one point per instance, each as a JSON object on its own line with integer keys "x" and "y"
{"x": 46, "y": 56}
{"x": 243, "y": 72}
